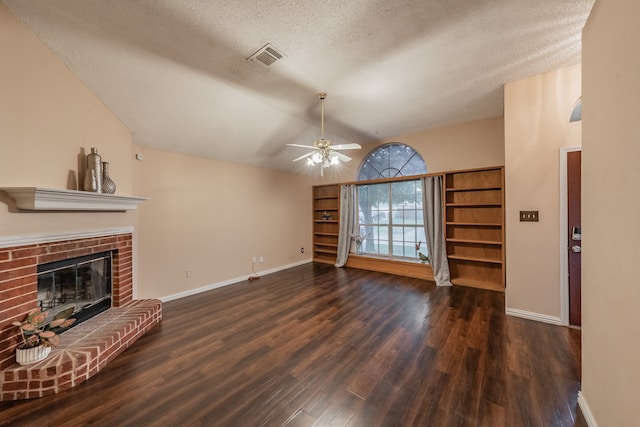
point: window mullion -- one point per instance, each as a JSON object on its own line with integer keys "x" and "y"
{"x": 390, "y": 213}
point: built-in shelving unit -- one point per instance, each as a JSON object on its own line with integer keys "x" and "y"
{"x": 474, "y": 226}
{"x": 474, "y": 223}
{"x": 48, "y": 199}
{"x": 326, "y": 225}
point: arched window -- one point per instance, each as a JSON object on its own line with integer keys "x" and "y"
{"x": 390, "y": 214}
{"x": 390, "y": 161}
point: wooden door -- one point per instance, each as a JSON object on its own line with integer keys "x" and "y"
{"x": 575, "y": 236}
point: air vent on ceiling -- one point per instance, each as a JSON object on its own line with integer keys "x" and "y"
{"x": 266, "y": 56}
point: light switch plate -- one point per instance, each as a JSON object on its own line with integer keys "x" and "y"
{"x": 529, "y": 216}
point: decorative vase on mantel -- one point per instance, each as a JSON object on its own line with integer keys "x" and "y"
{"x": 90, "y": 181}
{"x": 27, "y": 356}
{"x": 108, "y": 186}
{"x": 94, "y": 167}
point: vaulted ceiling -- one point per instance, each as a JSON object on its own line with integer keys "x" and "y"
{"x": 176, "y": 72}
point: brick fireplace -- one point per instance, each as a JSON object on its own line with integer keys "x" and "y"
{"x": 126, "y": 321}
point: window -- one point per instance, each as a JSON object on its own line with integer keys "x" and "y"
{"x": 390, "y": 217}
{"x": 390, "y": 161}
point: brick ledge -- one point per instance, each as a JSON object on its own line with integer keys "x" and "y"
{"x": 84, "y": 350}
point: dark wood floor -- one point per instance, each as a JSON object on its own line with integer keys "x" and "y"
{"x": 321, "y": 346}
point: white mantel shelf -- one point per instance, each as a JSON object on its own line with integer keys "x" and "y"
{"x": 47, "y": 199}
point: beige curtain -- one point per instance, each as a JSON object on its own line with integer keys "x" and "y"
{"x": 434, "y": 228}
{"x": 347, "y": 222}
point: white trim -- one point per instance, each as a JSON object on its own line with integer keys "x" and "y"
{"x": 554, "y": 320}
{"x": 564, "y": 232}
{"x": 49, "y": 199}
{"x": 29, "y": 239}
{"x": 586, "y": 411}
{"x": 212, "y": 286}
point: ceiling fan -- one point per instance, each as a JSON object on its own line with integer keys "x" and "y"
{"x": 325, "y": 154}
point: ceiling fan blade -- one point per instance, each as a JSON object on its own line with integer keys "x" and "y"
{"x": 352, "y": 146}
{"x": 343, "y": 158}
{"x": 301, "y": 146}
{"x": 304, "y": 156}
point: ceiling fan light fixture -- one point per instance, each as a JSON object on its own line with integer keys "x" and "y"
{"x": 334, "y": 160}
{"x": 324, "y": 154}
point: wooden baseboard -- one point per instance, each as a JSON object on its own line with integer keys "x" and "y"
{"x": 477, "y": 284}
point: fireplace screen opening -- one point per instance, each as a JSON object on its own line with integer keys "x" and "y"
{"x": 78, "y": 287}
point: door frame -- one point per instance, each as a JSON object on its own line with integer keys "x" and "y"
{"x": 564, "y": 235}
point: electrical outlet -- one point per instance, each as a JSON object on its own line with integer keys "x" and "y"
{"x": 301, "y": 250}
{"x": 253, "y": 260}
{"x": 261, "y": 259}
{"x": 188, "y": 275}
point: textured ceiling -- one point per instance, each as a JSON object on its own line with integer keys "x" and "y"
{"x": 176, "y": 74}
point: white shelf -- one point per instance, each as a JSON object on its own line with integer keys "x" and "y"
{"x": 47, "y": 199}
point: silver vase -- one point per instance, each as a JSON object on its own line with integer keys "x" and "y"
{"x": 90, "y": 181}
{"x": 108, "y": 186}
{"x": 94, "y": 162}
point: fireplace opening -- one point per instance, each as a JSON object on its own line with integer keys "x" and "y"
{"x": 76, "y": 287}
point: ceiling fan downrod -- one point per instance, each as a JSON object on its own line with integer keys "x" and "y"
{"x": 322, "y": 96}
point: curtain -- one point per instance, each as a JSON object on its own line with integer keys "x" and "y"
{"x": 434, "y": 228}
{"x": 347, "y": 222}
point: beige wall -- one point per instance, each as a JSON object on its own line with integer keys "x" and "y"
{"x": 536, "y": 122}
{"x": 465, "y": 146}
{"x": 610, "y": 206}
{"x": 469, "y": 145}
{"x": 211, "y": 217}
{"x": 47, "y": 116}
